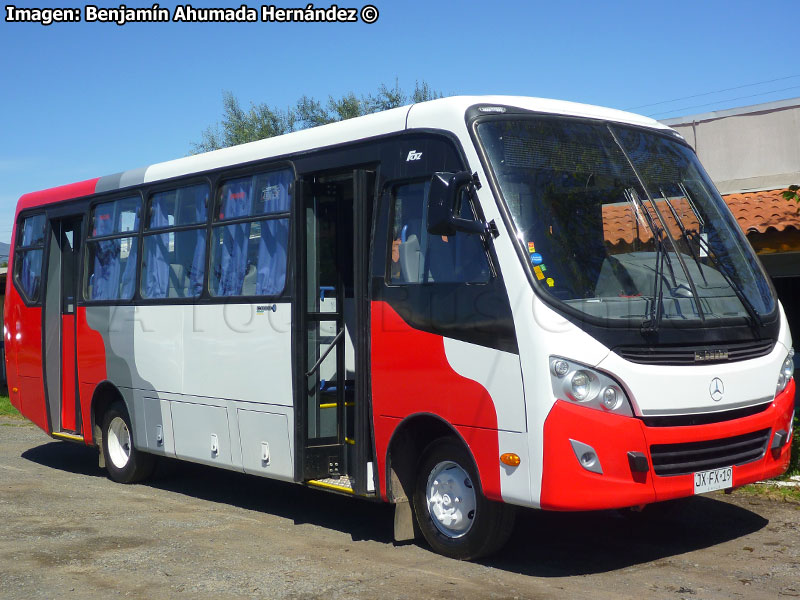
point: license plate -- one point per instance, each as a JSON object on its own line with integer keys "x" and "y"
{"x": 715, "y": 479}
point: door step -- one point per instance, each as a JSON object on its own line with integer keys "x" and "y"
{"x": 342, "y": 484}
{"x": 67, "y": 436}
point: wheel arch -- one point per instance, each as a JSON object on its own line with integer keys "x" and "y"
{"x": 104, "y": 395}
{"x": 406, "y": 445}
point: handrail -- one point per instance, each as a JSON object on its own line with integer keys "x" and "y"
{"x": 325, "y": 354}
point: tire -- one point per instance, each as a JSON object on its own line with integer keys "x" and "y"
{"x": 124, "y": 463}
{"x": 455, "y": 518}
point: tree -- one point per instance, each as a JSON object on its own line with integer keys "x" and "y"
{"x": 792, "y": 193}
{"x": 260, "y": 121}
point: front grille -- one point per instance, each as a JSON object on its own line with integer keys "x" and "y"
{"x": 679, "y": 459}
{"x": 705, "y": 418}
{"x": 695, "y": 355}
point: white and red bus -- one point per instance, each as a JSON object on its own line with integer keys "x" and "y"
{"x": 461, "y": 307}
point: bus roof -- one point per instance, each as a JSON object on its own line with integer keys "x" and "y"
{"x": 444, "y": 113}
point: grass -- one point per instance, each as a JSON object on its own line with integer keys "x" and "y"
{"x": 6, "y": 409}
{"x": 794, "y": 463}
{"x": 771, "y": 492}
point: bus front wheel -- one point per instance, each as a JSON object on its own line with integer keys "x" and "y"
{"x": 124, "y": 463}
{"x": 455, "y": 518}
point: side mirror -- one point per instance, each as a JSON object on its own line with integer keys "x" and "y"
{"x": 443, "y": 206}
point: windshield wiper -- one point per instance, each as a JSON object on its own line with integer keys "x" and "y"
{"x": 651, "y": 323}
{"x": 685, "y": 235}
{"x": 681, "y": 262}
{"x": 723, "y": 270}
{"x": 704, "y": 245}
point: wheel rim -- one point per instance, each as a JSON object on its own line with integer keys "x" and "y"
{"x": 119, "y": 442}
{"x": 451, "y": 499}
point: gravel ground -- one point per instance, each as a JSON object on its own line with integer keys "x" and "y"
{"x": 67, "y": 531}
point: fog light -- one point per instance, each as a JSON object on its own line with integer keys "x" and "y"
{"x": 588, "y": 459}
{"x": 587, "y": 456}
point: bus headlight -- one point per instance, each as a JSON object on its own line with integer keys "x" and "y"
{"x": 787, "y": 370}
{"x": 580, "y": 384}
{"x": 588, "y": 387}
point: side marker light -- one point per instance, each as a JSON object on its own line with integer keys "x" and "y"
{"x": 510, "y": 459}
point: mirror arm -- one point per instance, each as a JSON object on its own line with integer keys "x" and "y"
{"x": 469, "y": 226}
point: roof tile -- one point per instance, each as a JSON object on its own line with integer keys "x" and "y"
{"x": 756, "y": 212}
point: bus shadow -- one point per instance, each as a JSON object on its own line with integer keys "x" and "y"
{"x": 550, "y": 544}
{"x": 361, "y": 519}
{"x": 66, "y": 456}
{"x": 544, "y": 544}
{"x": 357, "y": 517}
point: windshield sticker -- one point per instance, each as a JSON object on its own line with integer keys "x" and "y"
{"x": 550, "y": 282}
{"x": 543, "y": 267}
{"x": 536, "y": 258}
{"x": 538, "y": 271}
{"x": 531, "y": 248}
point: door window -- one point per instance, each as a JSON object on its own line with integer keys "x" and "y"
{"x": 418, "y": 257}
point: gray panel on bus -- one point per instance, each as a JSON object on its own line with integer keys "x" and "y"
{"x": 197, "y": 428}
{"x": 261, "y": 434}
{"x": 132, "y": 177}
{"x": 108, "y": 183}
{"x": 52, "y": 333}
{"x": 158, "y": 426}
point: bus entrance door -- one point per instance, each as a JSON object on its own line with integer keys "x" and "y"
{"x": 59, "y": 325}
{"x": 330, "y": 339}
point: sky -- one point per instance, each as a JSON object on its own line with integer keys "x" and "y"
{"x": 82, "y": 100}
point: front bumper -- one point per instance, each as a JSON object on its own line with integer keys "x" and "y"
{"x": 567, "y": 485}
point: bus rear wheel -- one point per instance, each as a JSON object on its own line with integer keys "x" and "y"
{"x": 124, "y": 463}
{"x": 455, "y": 518}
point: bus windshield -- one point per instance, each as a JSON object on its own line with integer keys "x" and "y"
{"x": 622, "y": 223}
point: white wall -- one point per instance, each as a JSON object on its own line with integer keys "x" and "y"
{"x": 749, "y": 148}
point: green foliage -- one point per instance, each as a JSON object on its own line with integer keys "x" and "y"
{"x": 794, "y": 463}
{"x": 239, "y": 126}
{"x": 792, "y": 193}
{"x": 770, "y": 492}
{"x": 6, "y": 408}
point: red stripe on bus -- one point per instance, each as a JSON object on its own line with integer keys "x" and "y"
{"x": 57, "y": 194}
{"x": 411, "y": 375}
{"x": 91, "y": 356}
{"x": 68, "y": 373}
{"x": 23, "y": 346}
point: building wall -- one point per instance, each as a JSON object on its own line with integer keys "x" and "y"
{"x": 747, "y": 149}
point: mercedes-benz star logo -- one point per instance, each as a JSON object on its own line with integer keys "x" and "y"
{"x": 716, "y": 389}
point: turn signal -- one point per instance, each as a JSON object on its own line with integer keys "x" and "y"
{"x": 510, "y": 459}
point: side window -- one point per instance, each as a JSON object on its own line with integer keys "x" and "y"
{"x": 250, "y": 236}
{"x": 28, "y": 257}
{"x": 174, "y": 251}
{"x": 417, "y": 257}
{"x": 111, "y": 250}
